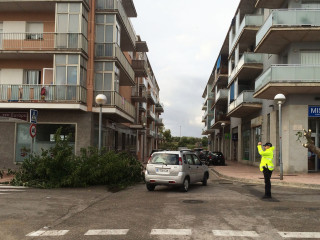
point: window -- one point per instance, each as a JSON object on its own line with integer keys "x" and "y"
{"x": 196, "y": 160}
{"x": 232, "y": 93}
{"x": 189, "y": 159}
{"x": 34, "y": 31}
{"x": 32, "y": 77}
{"x": 103, "y": 76}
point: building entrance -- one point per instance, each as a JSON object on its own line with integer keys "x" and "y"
{"x": 313, "y": 160}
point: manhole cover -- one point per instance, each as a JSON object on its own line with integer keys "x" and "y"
{"x": 193, "y": 201}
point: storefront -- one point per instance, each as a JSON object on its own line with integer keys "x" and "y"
{"x": 314, "y": 125}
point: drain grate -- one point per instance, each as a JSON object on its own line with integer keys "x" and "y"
{"x": 193, "y": 201}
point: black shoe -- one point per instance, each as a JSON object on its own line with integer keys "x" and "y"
{"x": 266, "y": 197}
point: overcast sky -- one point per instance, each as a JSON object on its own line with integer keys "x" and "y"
{"x": 184, "y": 39}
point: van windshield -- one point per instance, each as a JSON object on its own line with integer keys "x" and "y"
{"x": 164, "y": 158}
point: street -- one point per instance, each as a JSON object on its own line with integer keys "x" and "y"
{"x": 221, "y": 210}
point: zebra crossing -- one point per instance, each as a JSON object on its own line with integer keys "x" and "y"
{"x": 5, "y": 189}
{"x": 173, "y": 233}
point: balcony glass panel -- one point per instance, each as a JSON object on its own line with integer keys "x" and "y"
{"x": 222, "y": 93}
{"x": 249, "y": 20}
{"x": 294, "y": 17}
{"x": 287, "y": 74}
{"x": 244, "y": 97}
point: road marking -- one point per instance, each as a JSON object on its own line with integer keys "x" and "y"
{"x": 107, "y": 232}
{"x": 171, "y": 232}
{"x": 12, "y": 187}
{"x": 11, "y": 190}
{"x": 300, "y": 234}
{"x": 50, "y": 233}
{"x": 230, "y": 233}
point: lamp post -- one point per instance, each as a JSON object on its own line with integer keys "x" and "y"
{"x": 101, "y": 99}
{"x": 280, "y": 99}
{"x": 223, "y": 125}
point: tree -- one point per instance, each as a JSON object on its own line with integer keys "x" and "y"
{"x": 310, "y": 143}
{"x": 167, "y": 135}
{"x": 204, "y": 141}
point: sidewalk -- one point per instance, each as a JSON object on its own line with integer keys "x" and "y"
{"x": 241, "y": 172}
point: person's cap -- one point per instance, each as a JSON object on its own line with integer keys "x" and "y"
{"x": 268, "y": 144}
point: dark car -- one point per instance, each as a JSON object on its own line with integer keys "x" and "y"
{"x": 215, "y": 158}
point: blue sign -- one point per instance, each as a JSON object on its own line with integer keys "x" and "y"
{"x": 314, "y": 111}
{"x": 33, "y": 116}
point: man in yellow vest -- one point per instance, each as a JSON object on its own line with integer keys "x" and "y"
{"x": 266, "y": 166}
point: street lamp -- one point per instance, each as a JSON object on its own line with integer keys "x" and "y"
{"x": 101, "y": 99}
{"x": 280, "y": 99}
{"x": 223, "y": 125}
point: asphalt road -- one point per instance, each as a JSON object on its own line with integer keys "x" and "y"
{"x": 221, "y": 210}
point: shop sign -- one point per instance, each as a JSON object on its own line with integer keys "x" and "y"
{"x": 314, "y": 111}
{"x": 17, "y": 115}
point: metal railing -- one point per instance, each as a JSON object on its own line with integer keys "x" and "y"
{"x": 288, "y": 74}
{"x": 47, "y": 93}
{"x": 114, "y": 99}
{"x": 249, "y": 20}
{"x": 245, "y": 97}
{"x": 159, "y": 121}
{"x": 114, "y": 51}
{"x": 152, "y": 96}
{"x": 43, "y": 41}
{"x": 289, "y": 17}
{"x": 143, "y": 106}
{"x": 136, "y": 93}
{"x": 116, "y": 5}
{"x": 151, "y": 114}
{"x": 247, "y": 58}
{"x": 143, "y": 83}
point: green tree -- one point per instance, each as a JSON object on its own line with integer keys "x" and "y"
{"x": 204, "y": 141}
{"x": 167, "y": 135}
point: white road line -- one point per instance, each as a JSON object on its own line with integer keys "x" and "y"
{"x": 171, "y": 232}
{"x": 230, "y": 233}
{"x": 300, "y": 234}
{"x": 107, "y": 232}
{"x": 4, "y": 193}
{"x": 50, "y": 233}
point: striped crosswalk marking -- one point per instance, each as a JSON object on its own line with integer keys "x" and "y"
{"x": 171, "y": 232}
{"x": 300, "y": 234}
{"x": 230, "y": 233}
{"x": 98, "y": 232}
{"x": 50, "y": 233}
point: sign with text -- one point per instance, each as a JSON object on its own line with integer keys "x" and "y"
{"x": 17, "y": 115}
{"x": 314, "y": 111}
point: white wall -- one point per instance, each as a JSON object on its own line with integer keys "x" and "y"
{"x": 11, "y": 76}
{"x": 14, "y": 26}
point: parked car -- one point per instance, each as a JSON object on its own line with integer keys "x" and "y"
{"x": 176, "y": 168}
{"x": 215, "y": 158}
{"x": 200, "y": 153}
{"x": 155, "y": 150}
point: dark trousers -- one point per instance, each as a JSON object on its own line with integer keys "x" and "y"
{"x": 267, "y": 176}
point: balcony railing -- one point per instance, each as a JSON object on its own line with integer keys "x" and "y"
{"x": 143, "y": 83}
{"x": 152, "y": 96}
{"x": 244, "y": 97}
{"x": 288, "y": 74}
{"x": 43, "y": 41}
{"x": 249, "y": 20}
{"x": 289, "y": 18}
{"x": 159, "y": 121}
{"x": 113, "y": 50}
{"x": 140, "y": 67}
{"x": 222, "y": 94}
{"x": 151, "y": 114}
{"x": 143, "y": 106}
{"x": 47, "y": 93}
{"x": 114, "y": 99}
{"x": 151, "y": 133}
{"x": 247, "y": 58}
{"x": 115, "y": 5}
{"x": 138, "y": 94}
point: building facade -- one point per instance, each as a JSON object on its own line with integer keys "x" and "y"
{"x": 56, "y": 57}
{"x": 272, "y": 47}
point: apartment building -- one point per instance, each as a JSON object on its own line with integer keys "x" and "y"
{"x": 272, "y": 47}
{"x": 56, "y": 57}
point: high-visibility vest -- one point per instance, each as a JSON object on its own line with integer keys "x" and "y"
{"x": 267, "y": 157}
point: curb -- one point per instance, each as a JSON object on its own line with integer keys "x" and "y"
{"x": 275, "y": 183}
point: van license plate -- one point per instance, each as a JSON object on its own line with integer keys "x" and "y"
{"x": 162, "y": 170}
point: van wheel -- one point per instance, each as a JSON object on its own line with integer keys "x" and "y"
{"x": 185, "y": 186}
{"x": 150, "y": 187}
{"x": 205, "y": 179}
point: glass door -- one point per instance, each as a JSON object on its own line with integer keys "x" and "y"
{"x": 313, "y": 160}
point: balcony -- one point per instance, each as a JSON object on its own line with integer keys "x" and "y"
{"x": 140, "y": 123}
{"x": 218, "y": 119}
{"x": 151, "y": 133}
{"x": 286, "y": 26}
{"x": 151, "y": 97}
{"x": 204, "y": 118}
{"x": 141, "y": 46}
{"x": 138, "y": 96}
{"x": 249, "y": 67}
{"x": 159, "y": 122}
{"x": 151, "y": 115}
{"x": 244, "y": 105}
{"x": 247, "y": 32}
{"x": 117, "y": 107}
{"x": 221, "y": 97}
{"x": 113, "y": 52}
{"x": 271, "y": 4}
{"x": 140, "y": 67}
{"x": 204, "y": 106}
{"x": 128, "y": 36}
{"x": 143, "y": 83}
{"x": 42, "y": 95}
{"x": 142, "y": 106}
{"x": 159, "y": 107}
{"x": 12, "y": 42}
{"x": 288, "y": 79}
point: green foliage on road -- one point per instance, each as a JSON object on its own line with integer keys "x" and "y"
{"x": 60, "y": 167}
